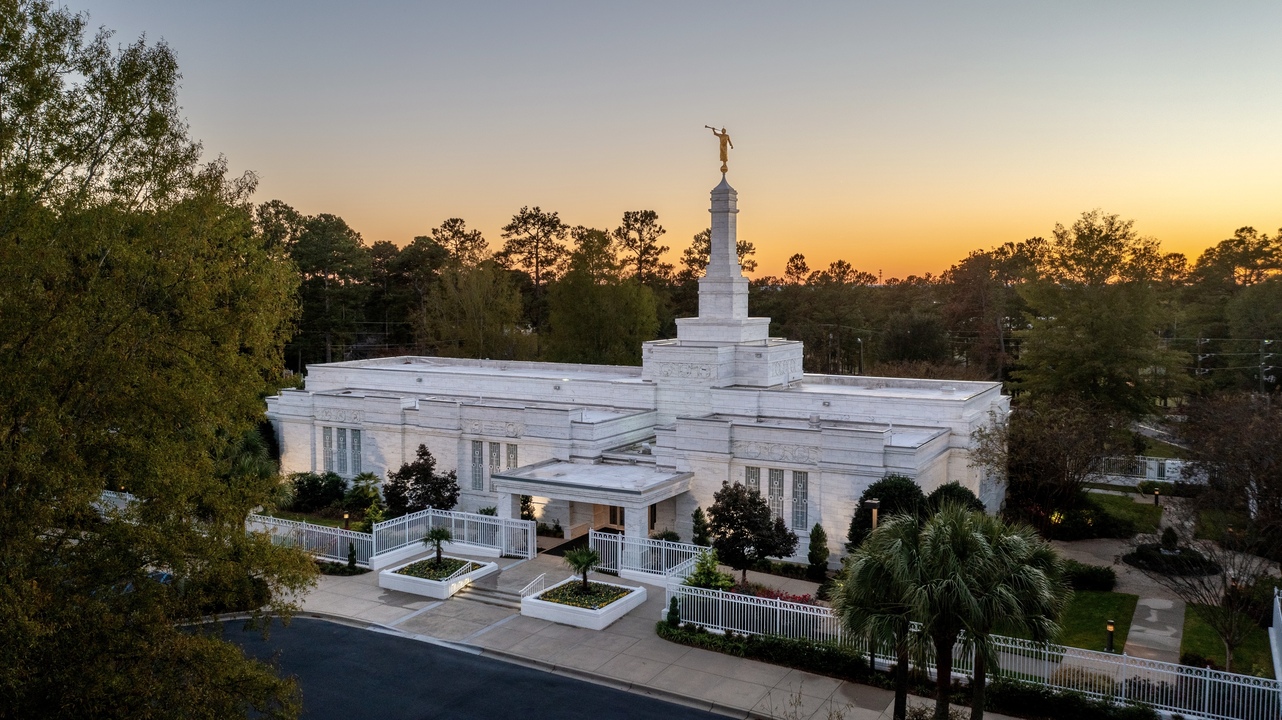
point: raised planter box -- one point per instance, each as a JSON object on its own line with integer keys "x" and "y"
{"x": 391, "y": 580}
{"x": 583, "y": 617}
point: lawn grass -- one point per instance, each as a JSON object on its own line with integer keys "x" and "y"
{"x": 1252, "y": 657}
{"x": 1145, "y": 516}
{"x": 1084, "y": 620}
{"x": 1212, "y": 522}
{"x": 306, "y": 517}
{"x": 1156, "y": 448}
{"x": 1083, "y": 624}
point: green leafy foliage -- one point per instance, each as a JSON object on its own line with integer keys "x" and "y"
{"x": 583, "y": 560}
{"x": 316, "y": 491}
{"x": 707, "y": 573}
{"x": 817, "y": 553}
{"x": 143, "y": 319}
{"x": 1081, "y": 576}
{"x": 417, "y": 486}
{"x": 744, "y": 530}
{"x": 701, "y": 534}
{"x": 897, "y": 494}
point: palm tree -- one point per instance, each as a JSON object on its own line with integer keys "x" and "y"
{"x": 583, "y": 560}
{"x": 953, "y": 555}
{"x": 873, "y": 591}
{"x": 435, "y": 537}
{"x": 1021, "y": 590}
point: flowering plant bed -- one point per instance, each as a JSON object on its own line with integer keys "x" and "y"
{"x": 425, "y": 578}
{"x": 758, "y": 590}
{"x": 429, "y": 570}
{"x": 597, "y": 596}
{"x": 562, "y": 603}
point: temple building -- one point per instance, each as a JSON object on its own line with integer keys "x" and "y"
{"x": 638, "y": 448}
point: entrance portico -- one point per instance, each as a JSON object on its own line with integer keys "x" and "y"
{"x": 633, "y": 488}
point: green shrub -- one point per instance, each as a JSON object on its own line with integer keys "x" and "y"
{"x": 351, "y": 555}
{"x": 1089, "y": 521}
{"x": 1150, "y": 556}
{"x": 896, "y": 493}
{"x": 817, "y": 554}
{"x": 669, "y": 535}
{"x": 1081, "y": 576}
{"x": 839, "y": 661}
{"x": 492, "y": 511}
{"x": 783, "y": 569}
{"x": 706, "y": 574}
{"x": 1038, "y": 701}
{"x": 314, "y": 491}
{"x": 1168, "y": 489}
{"x": 702, "y": 536}
{"x": 954, "y": 492}
{"x": 674, "y": 612}
{"x": 1170, "y": 541}
{"x": 363, "y": 493}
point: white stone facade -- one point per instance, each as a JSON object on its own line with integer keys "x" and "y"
{"x": 639, "y": 448}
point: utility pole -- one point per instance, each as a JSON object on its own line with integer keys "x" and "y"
{"x": 1264, "y": 358}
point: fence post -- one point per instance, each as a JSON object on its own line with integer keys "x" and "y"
{"x": 1124, "y": 660}
{"x": 1206, "y": 690}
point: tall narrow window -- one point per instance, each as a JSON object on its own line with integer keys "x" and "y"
{"x": 752, "y": 479}
{"x": 342, "y": 451}
{"x": 511, "y": 457}
{"x": 800, "y": 499}
{"x": 356, "y": 452}
{"x": 496, "y": 450}
{"x": 327, "y": 446}
{"x": 478, "y": 465}
{"x": 776, "y": 492}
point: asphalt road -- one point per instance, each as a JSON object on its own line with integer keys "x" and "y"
{"x": 347, "y": 673}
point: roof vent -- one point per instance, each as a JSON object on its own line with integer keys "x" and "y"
{"x": 814, "y": 421}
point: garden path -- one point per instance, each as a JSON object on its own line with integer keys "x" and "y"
{"x": 1157, "y": 627}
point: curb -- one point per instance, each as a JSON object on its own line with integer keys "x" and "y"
{"x": 617, "y": 684}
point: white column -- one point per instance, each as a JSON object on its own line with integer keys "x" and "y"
{"x": 636, "y": 519}
{"x": 510, "y": 506}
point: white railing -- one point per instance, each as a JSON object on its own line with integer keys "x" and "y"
{"x": 322, "y": 541}
{"x": 661, "y": 558}
{"x": 535, "y": 586}
{"x": 1168, "y": 687}
{"x": 1127, "y": 469}
{"x": 510, "y": 537}
{"x": 464, "y": 569}
{"x": 1275, "y": 639}
{"x": 115, "y": 500}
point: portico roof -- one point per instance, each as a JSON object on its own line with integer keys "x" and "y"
{"x": 623, "y": 484}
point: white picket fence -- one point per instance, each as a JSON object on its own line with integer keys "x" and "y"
{"x": 509, "y": 536}
{"x": 1167, "y": 687}
{"x": 644, "y": 558}
{"x": 328, "y": 543}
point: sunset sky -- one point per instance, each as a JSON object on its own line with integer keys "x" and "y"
{"x": 896, "y": 136}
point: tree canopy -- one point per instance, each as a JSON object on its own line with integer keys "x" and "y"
{"x": 143, "y": 318}
{"x": 744, "y": 531}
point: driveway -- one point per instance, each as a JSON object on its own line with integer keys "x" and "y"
{"x": 347, "y": 672}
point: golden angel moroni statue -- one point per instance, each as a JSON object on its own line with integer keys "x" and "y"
{"x": 726, "y": 145}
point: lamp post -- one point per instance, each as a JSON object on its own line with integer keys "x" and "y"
{"x": 873, "y": 504}
{"x": 1109, "y": 647}
{"x": 1157, "y": 495}
{"x": 861, "y": 355}
{"x": 345, "y": 523}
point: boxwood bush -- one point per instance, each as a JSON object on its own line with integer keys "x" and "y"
{"x": 1081, "y": 576}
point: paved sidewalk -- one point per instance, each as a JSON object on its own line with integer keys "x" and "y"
{"x": 627, "y": 655}
{"x": 1157, "y": 627}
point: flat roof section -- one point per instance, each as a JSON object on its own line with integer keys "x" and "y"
{"x": 625, "y": 478}
{"x": 495, "y": 368}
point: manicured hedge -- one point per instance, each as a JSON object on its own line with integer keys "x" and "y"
{"x": 1175, "y": 489}
{"x": 1188, "y": 562}
{"x": 1010, "y": 697}
{"x": 1042, "y": 703}
{"x": 1081, "y": 576}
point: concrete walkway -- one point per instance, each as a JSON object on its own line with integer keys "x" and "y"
{"x": 1157, "y": 627}
{"x": 627, "y": 655}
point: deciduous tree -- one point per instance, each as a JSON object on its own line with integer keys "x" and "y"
{"x": 142, "y": 319}
{"x": 417, "y": 486}
{"x": 744, "y": 531}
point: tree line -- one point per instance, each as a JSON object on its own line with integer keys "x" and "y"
{"x": 1095, "y": 308}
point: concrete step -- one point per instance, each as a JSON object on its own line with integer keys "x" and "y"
{"x": 490, "y": 596}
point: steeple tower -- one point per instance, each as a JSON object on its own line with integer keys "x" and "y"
{"x": 723, "y": 290}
